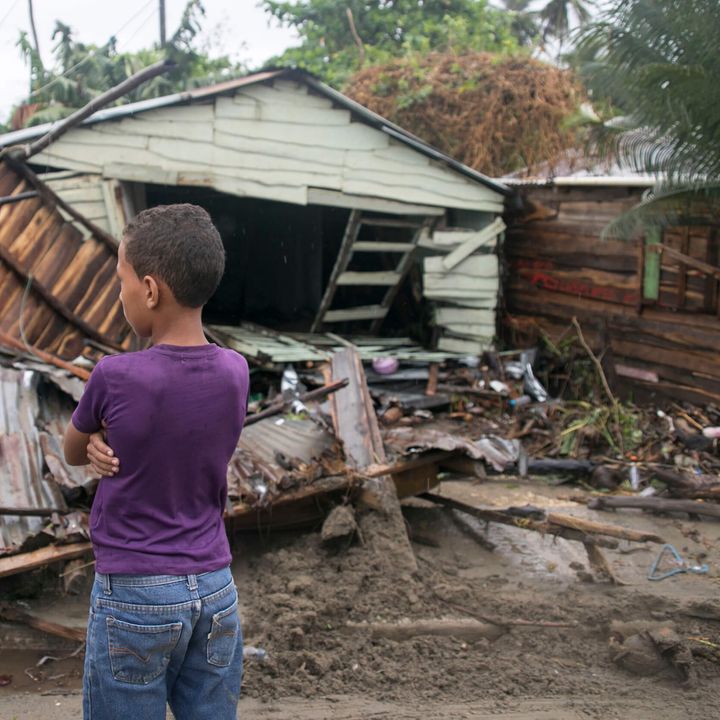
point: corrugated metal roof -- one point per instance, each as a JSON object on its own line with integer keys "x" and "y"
{"x": 57, "y": 276}
{"x": 362, "y": 113}
{"x": 22, "y": 482}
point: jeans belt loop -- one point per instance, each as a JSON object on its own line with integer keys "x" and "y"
{"x": 107, "y": 587}
{"x": 192, "y": 582}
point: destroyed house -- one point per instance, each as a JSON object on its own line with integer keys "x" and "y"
{"x": 334, "y": 219}
{"x": 336, "y": 224}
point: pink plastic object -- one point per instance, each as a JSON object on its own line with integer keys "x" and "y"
{"x": 711, "y": 432}
{"x": 385, "y": 365}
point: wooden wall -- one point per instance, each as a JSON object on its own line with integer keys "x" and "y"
{"x": 271, "y": 141}
{"x": 558, "y": 267}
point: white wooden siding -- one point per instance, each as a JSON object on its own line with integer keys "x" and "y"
{"x": 94, "y": 197}
{"x": 462, "y": 280}
{"x": 269, "y": 141}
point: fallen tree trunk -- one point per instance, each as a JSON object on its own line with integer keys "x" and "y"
{"x": 469, "y": 630}
{"x": 691, "y": 507}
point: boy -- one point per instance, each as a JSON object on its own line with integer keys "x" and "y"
{"x": 163, "y": 623}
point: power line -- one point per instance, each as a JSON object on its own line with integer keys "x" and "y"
{"x": 93, "y": 52}
{"x": 9, "y": 12}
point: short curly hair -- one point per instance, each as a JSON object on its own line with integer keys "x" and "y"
{"x": 179, "y": 245}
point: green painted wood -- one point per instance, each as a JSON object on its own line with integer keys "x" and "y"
{"x": 651, "y": 272}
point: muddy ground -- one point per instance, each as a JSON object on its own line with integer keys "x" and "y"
{"x": 297, "y": 599}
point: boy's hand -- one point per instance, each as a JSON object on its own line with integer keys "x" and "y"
{"x": 101, "y": 456}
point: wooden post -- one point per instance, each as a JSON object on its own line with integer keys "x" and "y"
{"x": 356, "y": 426}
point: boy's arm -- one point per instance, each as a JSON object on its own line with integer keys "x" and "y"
{"x": 90, "y": 449}
{"x": 75, "y": 446}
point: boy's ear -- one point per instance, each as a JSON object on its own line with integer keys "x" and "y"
{"x": 152, "y": 292}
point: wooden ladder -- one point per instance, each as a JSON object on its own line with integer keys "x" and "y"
{"x": 390, "y": 278}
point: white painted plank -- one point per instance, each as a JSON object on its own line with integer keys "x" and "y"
{"x": 139, "y": 173}
{"x": 318, "y": 196}
{"x": 55, "y": 157}
{"x": 341, "y": 137}
{"x": 91, "y": 154}
{"x": 272, "y": 112}
{"x": 431, "y": 281}
{"x": 475, "y": 265}
{"x": 473, "y": 243}
{"x": 271, "y": 149}
{"x": 471, "y": 298}
{"x": 184, "y": 113}
{"x": 453, "y": 238}
{"x": 468, "y": 347}
{"x": 86, "y": 193}
{"x": 440, "y": 184}
{"x": 423, "y": 195}
{"x": 229, "y": 109}
{"x": 269, "y": 94}
{"x": 233, "y": 161}
{"x": 366, "y": 312}
{"x": 200, "y": 132}
{"x": 93, "y": 137}
{"x": 463, "y": 316}
{"x": 482, "y": 330}
{"x": 242, "y": 188}
{"x": 468, "y": 303}
{"x": 380, "y": 246}
{"x": 368, "y": 278}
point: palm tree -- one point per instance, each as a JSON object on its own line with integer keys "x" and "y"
{"x": 656, "y": 64}
{"x": 559, "y": 17}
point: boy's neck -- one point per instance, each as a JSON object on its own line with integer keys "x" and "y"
{"x": 182, "y": 328}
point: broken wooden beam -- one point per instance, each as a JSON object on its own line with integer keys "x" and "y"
{"x": 655, "y": 504}
{"x": 9, "y": 613}
{"x": 591, "y": 527}
{"x": 278, "y": 407}
{"x": 524, "y": 523}
{"x": 12, "y": 564}
{"x": 10, "y": 341}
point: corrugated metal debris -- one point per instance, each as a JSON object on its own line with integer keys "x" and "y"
{"x": 57, "y": 284}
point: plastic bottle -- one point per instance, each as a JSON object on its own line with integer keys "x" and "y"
{"x": 520, "y": 401}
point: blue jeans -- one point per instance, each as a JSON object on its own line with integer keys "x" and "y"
{"x": 157, "y": 639}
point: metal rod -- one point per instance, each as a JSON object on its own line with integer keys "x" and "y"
{"x": 7, "y": 199}
{"x": 278, "y": 407}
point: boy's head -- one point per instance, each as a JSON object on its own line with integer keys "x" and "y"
{"x": 170, "y": 246}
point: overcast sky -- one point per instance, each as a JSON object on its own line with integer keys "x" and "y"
{"x": 234, "y": 27}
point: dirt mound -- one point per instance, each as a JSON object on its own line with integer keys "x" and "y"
{"x": 298, "y": 599}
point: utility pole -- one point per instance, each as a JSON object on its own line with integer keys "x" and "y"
{"x": 162, "y": 23}
{"x": 34, "y": 29}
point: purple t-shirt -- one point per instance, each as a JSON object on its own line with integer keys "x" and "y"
{"x": 173, "y": 417}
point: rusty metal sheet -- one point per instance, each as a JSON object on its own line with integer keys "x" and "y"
{"x": 279, "y": 454}
{"x": 22, "y": 483}
{"x": 57, "y": 274}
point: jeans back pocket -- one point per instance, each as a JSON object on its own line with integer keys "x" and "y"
{"x": 223, "y": 637}
{"x": 140, "y": 653}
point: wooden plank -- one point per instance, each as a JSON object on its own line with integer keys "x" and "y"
{"x": 475, "y": 265}
{"x": 139, "y": 173}
{"x": 465, "y": 298}
{"x": 380, "y": 246}
{"x": 271, "y": 95}
{"x": 473, "y": 243}
{"x": 449, "y": 281}
{"x": 356, "y": 427}
{"x": 463, "y": 346}
{"x": 349, "y": 238}
{"x": 651, "y": 272}
{"x": 445, "y": 315}
{"x": 391, "y": 222}
{"x": 333, "y": 198}
{"x": 12, "y": 564}
{"x": 365, "y": 312}
{"x": 369, "y": 278}
{"x": 486, "y": 330}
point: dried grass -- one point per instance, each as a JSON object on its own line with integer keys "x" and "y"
{"x": 495, "y": 114}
